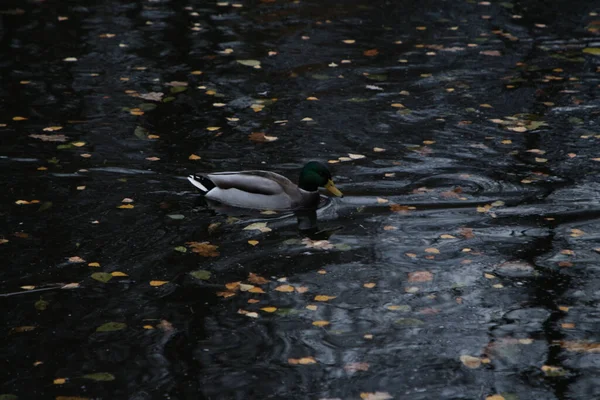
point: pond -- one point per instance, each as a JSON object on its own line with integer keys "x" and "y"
{"x": 461, "y": 263}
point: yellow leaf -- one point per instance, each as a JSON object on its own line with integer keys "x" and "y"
{"x": 52, "y": 128}
{"x": 158, "y": 283}
{"x": 398, "y": 105}
{"x": 495, "y": 397}
{"x": 349, "y": 41}
{"x": 446, "y": 236}
{"x": 78, "y": 144}
{"x": 375, "y": 396}
{"x": 563, "y": 308}
{"x": 302, "y": 361}
{"x": 118, "y": 273}
{"x": 312, "y": 98}
{"x": 470, "y": 361}
{"x": 153, "y": 136}
{"x": 432, "y": 250}
{"x": 194, "y": 157}
{"x": 259, "y": 226}
{"x": 320, "y": 323}
{"x": 285, "y": 288}
{"x": 213, "y": 128}
{"x": 253, "y": 242}
{"x": 60, "y": 381}
{"x": 369, "y": 285}
{"x": 126, "y": 206}
{"x": 269, "y": 309}
{"x": 233, "y": 285}
{"x": 148, "y": 327}
{"x": 322, "y": 297}
{"x": 17, "y": 118}
{"x": 196, "y": 72}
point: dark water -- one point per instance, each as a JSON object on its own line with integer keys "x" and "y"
{"x": 467, "y": 262}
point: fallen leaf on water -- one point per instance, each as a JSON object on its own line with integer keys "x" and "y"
{"x": 258, "y": 226}
{"x": 152, "y": 158}
{"x": 111, "y": 327}
{"x": 302, "y": 361}
{"x": 250, "y": 63}
{"x": 73, "y": 285}
{"x": 250, "y": 314}
{"x": 349, "y": 41}
{"x": 470, "y": 361}
{"x": 369, "y": 285}
{"x": 118, "y": 273}
{"x": 225, "y": 294}
{"x": 49, "y": 138}
{"x": 322, "y": 297}
{"x": 320, "y": 323}
{"x": 257, "y": 279}
{"x": 356, "y": 366}
{"x": 493, "y": 53}
{"x": 176, "y": 83}
{"x": 52, "y": 128}
{"x": 261, "y": 137}
{"x": 447, "y": 236}
{"x": 158, "y": 283}
{"x": 312, "y": 98}
{"x": 204, "y": 249}
{"x": 285, "y": 288}
{"x": 213, "y": 128}
{"x": 100, "y": 377}
{"x": 567, "y": 325}
{"x": 93, "y": 264}
{"x": 153, "y": 96}
{"x": 126, "y": 206}
{"x": 375, "y": 396}
{"x": 59, "y": 381}
{"x": 233, "y": 285}
{"x": 378, "y": 149}
{"x": 420, "y": 276}
{"x": 269, "y": 309}
{"x": 311, "y": 307}
{"x": 194, "y": 157}
{"x": 432, "y": 250}
{"x": 2, "y": 241}
{"x": 371, "y": 52}
{"x": 25, "y": 328}
{"x": 70, "y": 59}
{"x": 577, "y": 233}
{"x": 102, "y": 276}
{"x": 76, "y": 259}
{"x": 495, "y": 397}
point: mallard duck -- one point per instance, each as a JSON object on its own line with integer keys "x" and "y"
{"x": 266, "y": 190}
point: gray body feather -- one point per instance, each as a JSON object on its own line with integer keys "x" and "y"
{"x": 261, "y": 190}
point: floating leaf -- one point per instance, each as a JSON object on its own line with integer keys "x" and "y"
{"x": 260, "y": 137}
{"x": 256, "y": 279}
{"x": 356, "y": 366}
{"x": 49, "y": 138}
{"x": 111, "y": 327}
{"x": 152, "y": 96}
{"x": 126, "y": 206}
{"x": 285, "y": 288}
{"x": 302, "y": 361}
{"x": 470, "y": 361}
{"x": 253, "y": 242}
{"x": 201, "y": 274}
{"x": 194, "y": 157}
{"x": 269, "y": 309}
{"x": 158, "y": 283}
{"x": 369, "y": 285}
{"x": 371, "y": 52}
{"x": 321, "y": 323}
{"x": 322, "y": 297}
{"x": 102, "y": 276}
{"x": 176, "y": 216}
{"x": 100, "y": 376}
{"x": 592, "y": 50}
{"x": 181, "y": 249}
{"x": 76, "y": 259}
{"x": 59, "y": 381}
{"x": 258, "y": 226}
{"x": 376, "y": 396}
{"x": 118, "y": 274}
{"x": 204, "y": 249}
{"x": 420, "y": 276}
{"x": 250, "y": 63}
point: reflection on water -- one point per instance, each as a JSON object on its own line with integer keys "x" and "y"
{"x": 461, "y": 263}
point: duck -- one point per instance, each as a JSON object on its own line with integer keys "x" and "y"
{"x": 266, "y": 190}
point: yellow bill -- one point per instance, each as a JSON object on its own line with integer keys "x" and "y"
{"x": 332, "y": 189}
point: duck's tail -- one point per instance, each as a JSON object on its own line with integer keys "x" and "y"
{"x": 201, "y": 182}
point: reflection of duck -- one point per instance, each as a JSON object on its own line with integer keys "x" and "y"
{"x": 266, "y": 190}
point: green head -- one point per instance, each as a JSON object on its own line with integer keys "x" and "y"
{"x": 315, "y": 174}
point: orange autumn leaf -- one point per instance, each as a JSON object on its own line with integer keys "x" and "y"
{"x": 256, "y": 279}
{"x": 321, "y": 297}
{"x": 420, "y": 276}
{"x": 233, "y": 285}
{"x": 204, "y": 249}
{"x": 371, "y": 52}
{"x": 158, "y": 283}
{"x": 302, "y": 361}
{"x": 285, "y": 288}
